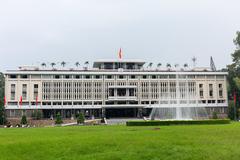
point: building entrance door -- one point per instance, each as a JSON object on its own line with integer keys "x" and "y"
{"x": 121, "y": 112}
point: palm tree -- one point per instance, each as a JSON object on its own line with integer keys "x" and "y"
{"x": 63, "y": 64}
{"x": 176, "y": 65}
{"x": 168, "y": 65}
{"x": 53, "y": 64}
{"x": 86, "y": 64}
{"x": 43, "y": 64}
{"x": 185, "y": 65}
{"x": 150, "y": 65}
{"x": 77, "y": 64}
{"x": 159, "y": 65}
{"x": 194, "y": 59}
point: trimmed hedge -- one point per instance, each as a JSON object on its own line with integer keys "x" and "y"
{"x": 177, "y": 122}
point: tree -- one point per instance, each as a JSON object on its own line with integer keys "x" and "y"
{"x": 24, "y": 120}
{"x": 81, "y": 118}
{"x": 77, "y": 64}
{"x": 63, "y": 64}
{"x": 44, "y": 65}
{"x": 3, "y": 119}
{"x": 194, "y": 60}
{"x": 159, "y": 65}
{"x": 37, "y": 115}
{"x": 234, "y": 78}
{"x": 53, "y": 64}
{"x": 86, "y": 64}
{"x": 231, "y": 110}
{"x": 150, "y": 65}
{"x": 58, "y": 119}
{"x": 214, "y": 115}
{"x": 168, "y": 65}
{"x": 185, "y": 65}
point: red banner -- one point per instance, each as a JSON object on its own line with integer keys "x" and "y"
{"x": 36, "y": 100}
{"x": 5, "y": 100}
{"x": 120, "y": 53}
{"x": 20, "y": 102}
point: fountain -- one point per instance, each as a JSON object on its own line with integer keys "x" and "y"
{"x": 178, "y": 111}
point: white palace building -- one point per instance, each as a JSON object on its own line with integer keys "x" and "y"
{"x": 112, "y": 88}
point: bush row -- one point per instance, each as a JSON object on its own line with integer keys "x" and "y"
{"x": 177, "y": 122}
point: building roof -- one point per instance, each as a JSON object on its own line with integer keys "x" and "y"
{"x": 101, "y": 61}
{"x": 124, "y": 72}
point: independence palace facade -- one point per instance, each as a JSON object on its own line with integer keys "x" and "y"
{"x": 112, "y": 88}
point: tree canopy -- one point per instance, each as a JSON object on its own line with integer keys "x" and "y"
{"x": 234, "y": 76}
{"x": 2, "y": 113}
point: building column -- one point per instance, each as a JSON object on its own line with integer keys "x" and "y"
{"x": 72, "y": 114}
{"x": 103, "y": 113}
{"x": 127, "y": 92}
{"x": 115, "y": 92}
{"x": 140, "y": 113}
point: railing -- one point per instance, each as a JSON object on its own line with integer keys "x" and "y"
{"x": 122, "y": 98}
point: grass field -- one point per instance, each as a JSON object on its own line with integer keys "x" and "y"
{"x": 206, "y": 142}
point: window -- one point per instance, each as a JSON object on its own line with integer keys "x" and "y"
{"x": 121, "y": 77}
{"x": 220, "y": 90}
{"x": 108, "y": 66}
{"x": 144, "y": 77}
{"x": 57, "y": 76}
{"x": 24, "y": 91}
{"x": 35, "y": 91}
{"x": 77, "y": 77}
{"x": 201, "y": 90}
{"x": 35, "y": 86}
{"x": 24, "y": 76}
{"x": 109, "y": 76}
{"x": 173, "y": 76}
{"x": 131, "y": 92}
{"x": 153, "y": 76}
{"x": 13, "y": 87}
{"x": 67, "y": 76}
{"x": 133, "y": 76}
{"x": 130, "y": 65}
{"x": 13, "y": 76}
{"x": 163, "y": 76}
{"x": 111, "y": 92}
{"x": 97, "y": 76}
{"x": 211, "y": 90}
{"x": 87, "y": 76}
{"x": 191, "y": 76}
{"x": 121, "y": 92}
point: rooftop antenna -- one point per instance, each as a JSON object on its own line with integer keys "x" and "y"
{"x": 212, "y": 65}
{"x": 194, "y": 60}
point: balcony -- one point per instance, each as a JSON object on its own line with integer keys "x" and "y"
{"x": 122, "y": 98}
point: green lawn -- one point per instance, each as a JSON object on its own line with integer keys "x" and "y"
{"x": 191, "y": 142}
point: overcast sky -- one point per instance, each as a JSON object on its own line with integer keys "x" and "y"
{"x": 166, "y": 31}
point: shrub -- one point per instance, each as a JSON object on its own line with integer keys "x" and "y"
{"x": 3, "y": 119}
{"x": 8, "y": 124}
{"x": 214, "y": 115}
{"x": 37, "y": 115}
{"x": 81, "y": 118}
{"x": 177, "y": 122}
{"x": 231, "y": 110}
{"x": 24, "y": 120}
{"x": 58, "y": 119}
